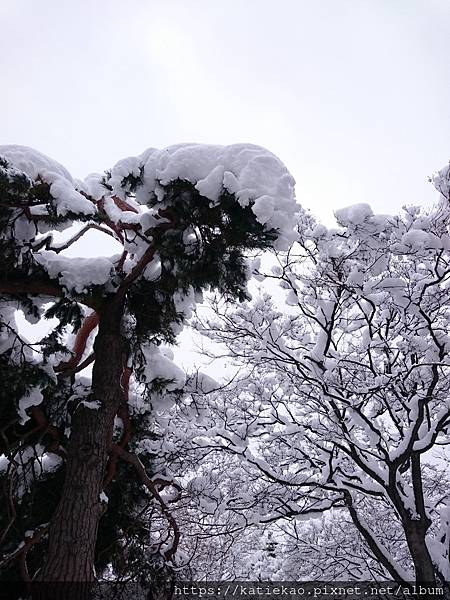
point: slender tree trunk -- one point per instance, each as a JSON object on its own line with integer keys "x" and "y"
{"x": 73, "y": 529}
{"x": 380, "y": 554}
{"x": 415, "y": 532}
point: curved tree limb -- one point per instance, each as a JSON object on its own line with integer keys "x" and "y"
{"x": 88, "y": 326}
{"x": 151, "y": 485}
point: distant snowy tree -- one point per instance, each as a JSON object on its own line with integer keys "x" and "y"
{"x": 83, "y": 487}
{"x": 341, "y": 404}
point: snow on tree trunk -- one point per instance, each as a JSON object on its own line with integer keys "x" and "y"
{"x": 73, "y": 530}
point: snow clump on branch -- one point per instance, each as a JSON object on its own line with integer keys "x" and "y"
{"x": 254, "y": 175}
{"x": 39, "y": 166}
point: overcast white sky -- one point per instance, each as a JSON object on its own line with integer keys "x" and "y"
{"x": 353, "y": 95}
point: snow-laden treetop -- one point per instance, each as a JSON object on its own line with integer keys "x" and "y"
{"x": 252, "y": 174}
{"x": 186, "y": 217}
{"x": 441, "y": 181}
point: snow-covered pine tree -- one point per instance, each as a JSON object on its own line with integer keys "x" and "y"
{"x": 184, "y": 218}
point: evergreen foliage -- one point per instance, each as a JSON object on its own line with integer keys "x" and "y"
{"x": 201, "y": 245}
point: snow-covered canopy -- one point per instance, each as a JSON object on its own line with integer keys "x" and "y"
{"x": 39, "y": 166}
{"x": 254, "y": 175}
{"x": 441, "y": 181}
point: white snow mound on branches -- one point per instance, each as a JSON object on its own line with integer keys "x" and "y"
{"x": 160, "y": 365}
{"x": 254, "y": 175}
{"x": 39, "y": 166}
{"x": 32, "y": 162}
{"x": 353, "y": 215}
{"x": 76, "y": 274}
{"x": 441, "y": 181}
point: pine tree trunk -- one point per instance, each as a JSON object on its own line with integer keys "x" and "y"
{"x": 73, "y": 529}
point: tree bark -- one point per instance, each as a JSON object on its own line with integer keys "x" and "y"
{"x": 416, "y": 529}
{"x": 415, "y": 532}
{"x": 73, "y": 528}
{"x": 380, "y": 554}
